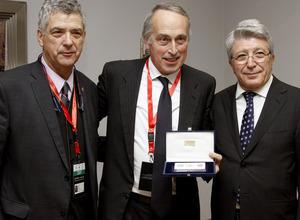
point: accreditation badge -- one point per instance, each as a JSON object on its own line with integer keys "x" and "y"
{"x": 78, "y": 179}
{"x": 146, "y": 176}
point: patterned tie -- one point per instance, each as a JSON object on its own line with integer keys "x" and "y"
{"x": 64, "y": 94}
{"x": 161, "y": 199}
{"x": 248, "y": 121}
{"x": 247, "y": 126}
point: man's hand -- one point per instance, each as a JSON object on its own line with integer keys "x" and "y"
{"x": 217, "y": 158}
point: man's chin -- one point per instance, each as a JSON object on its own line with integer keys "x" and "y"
{"x": 169, "y": 71}
{"x": 68, "y": 61}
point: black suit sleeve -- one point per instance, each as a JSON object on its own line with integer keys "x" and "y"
{"x": 102, "y": 107}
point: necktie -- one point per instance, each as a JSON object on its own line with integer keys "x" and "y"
{"x": 64, "y": 94}
{"x": 161, "y": 198}
{"x": 247, "y": 126}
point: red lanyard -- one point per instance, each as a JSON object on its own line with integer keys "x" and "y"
{"x": 72, "y": 121}
{"x": 151, "y": 118}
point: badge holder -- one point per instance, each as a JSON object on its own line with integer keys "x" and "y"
{"x": 187, "y": 154}
{"x": 78, "y": 178}
{"x": 146, "y": 176}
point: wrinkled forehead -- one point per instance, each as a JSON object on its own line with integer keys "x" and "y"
{"x": 169, "y": 21}
{"x": 61, "y": 20}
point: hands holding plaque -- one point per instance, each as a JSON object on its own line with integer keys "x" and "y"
{"x": 191, "y": 153}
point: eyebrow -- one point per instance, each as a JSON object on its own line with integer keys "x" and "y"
{"x": 254, "y": 50}
{"x": 167, "y": 35}
{"x": 60, "y": 28}
{"x": 77, "y": 29}
{"x": 182, "y": 35}
{"x": 163, "y": 35}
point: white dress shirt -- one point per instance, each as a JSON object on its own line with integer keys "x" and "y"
{"x": 141, "y": 146}
{"x": 258, "y": 101}
{"x": 58, "y": 80}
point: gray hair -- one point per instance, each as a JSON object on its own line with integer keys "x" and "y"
{"x": 247, "y": 29}
{"x": 169, "y": 6}
{"x": 53, "y": 6}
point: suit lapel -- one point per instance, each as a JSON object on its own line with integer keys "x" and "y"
{"x": 88, "y": 133}
{"x": 45, "y": 102}
{"x": 85, "y": 116}
{"x": 229, "y": 106}
{"x": 188, "y": 100}
{"x": 128, "y": 93}
{"x": 274, "y": 102}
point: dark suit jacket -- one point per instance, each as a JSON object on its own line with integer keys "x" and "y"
{"x": 269, "y": 172}
{"x": 118, "y": 92}
{"x": 34, "y": 171}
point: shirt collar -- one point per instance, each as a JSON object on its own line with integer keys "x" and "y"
{"x": 261, "y": 92}
{"x": 154, "y": 73}
{"x": 57, "y": 79}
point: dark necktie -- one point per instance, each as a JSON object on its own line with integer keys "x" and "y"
{"x": 161, "y": 199}
{"x": 64, "y": 94}
{"x": 247, "y": 126}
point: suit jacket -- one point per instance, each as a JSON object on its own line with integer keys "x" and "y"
{"x": 118, "y": 88}
{"x": 269, "y": 172}
{"x": 34, "y": 171}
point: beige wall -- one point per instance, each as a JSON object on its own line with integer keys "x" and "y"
{"x": 114, "y": 31}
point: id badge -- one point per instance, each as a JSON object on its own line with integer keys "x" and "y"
{"x": 146, "y": 176}
{"x": 78, "y": 179}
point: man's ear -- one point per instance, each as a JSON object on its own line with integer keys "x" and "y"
{"x": 40, "y": 37}
{"x": 147, "y": 45}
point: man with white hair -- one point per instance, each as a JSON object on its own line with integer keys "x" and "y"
{"x": 257, "y": 124}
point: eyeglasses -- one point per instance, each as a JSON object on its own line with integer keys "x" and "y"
{"x": 259, "y": 57}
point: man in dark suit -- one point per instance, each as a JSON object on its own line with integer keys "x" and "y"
{"x": 123, "y": 87}
{"x": 260, "y": 170}
{"x": 48, "y": 149}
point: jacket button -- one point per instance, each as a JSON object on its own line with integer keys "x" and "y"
{"x": 63, "y": 212}
{"x": 234, "y": 192}
{"x": 67, "y": 178}
{"x": 126, "y": 196}
{"x": 243, "y": 165}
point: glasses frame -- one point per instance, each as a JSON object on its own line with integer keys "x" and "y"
{"x": 253, "y": 56}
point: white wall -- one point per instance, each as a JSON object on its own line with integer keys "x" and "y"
{"x": 114, "y": 31}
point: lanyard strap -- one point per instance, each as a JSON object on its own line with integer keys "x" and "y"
{"x": 152, "y": 119}
{"x": 73, "y": 120}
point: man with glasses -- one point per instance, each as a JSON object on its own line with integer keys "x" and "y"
{"x": 259, "y": 174}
